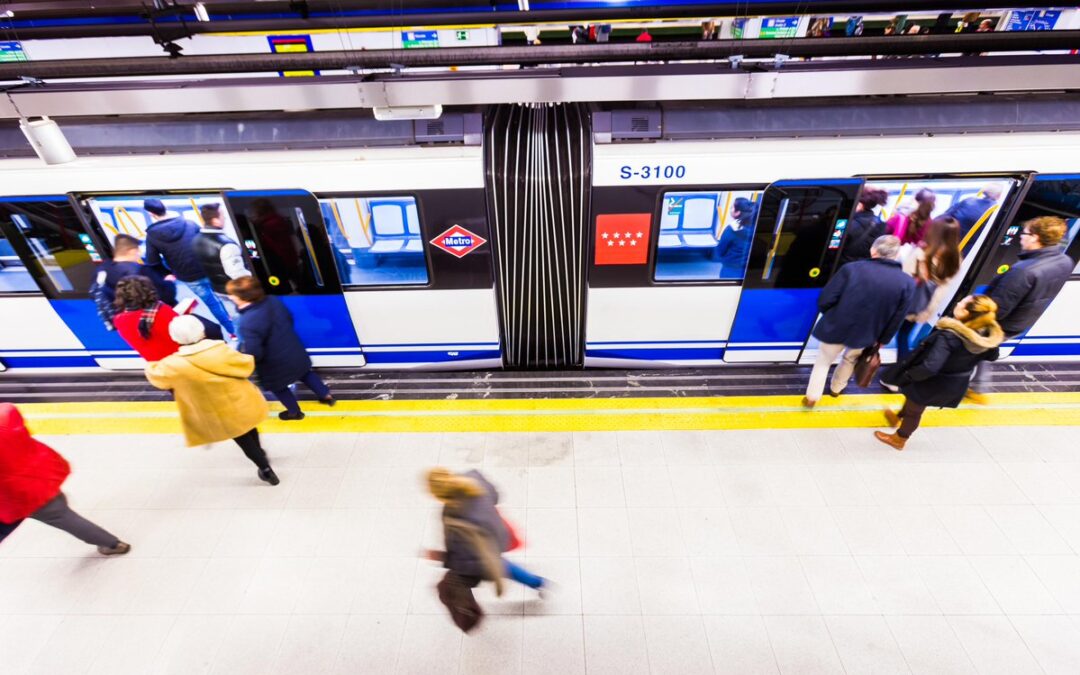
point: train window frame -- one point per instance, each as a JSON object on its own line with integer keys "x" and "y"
{"x": 424, "y": 244}
{"x": 654, "y": 234}
{"x": 43, "y": 281}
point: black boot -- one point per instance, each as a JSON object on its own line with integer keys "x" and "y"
{"x": 267, "y": 475}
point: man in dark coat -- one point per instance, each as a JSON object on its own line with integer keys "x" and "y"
{"x": 734, "y": 244}
{"x": 170, "y": 249}
{"x": 1025, "y": 291}
{"x": 969, "y": 211}
{"x": 862, "y": 305}
{"x": 125, "y": 263}
{"x": 865, "y": 226}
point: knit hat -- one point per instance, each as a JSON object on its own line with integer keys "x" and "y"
{"x": 154, "y": 206}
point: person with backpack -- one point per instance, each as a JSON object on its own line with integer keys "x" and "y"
{"x": 937, "y": 373}
{"x": 475, "y": 536}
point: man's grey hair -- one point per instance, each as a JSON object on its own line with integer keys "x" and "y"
{"x": 992, "y": 191}
{"x": 886, "y": 246}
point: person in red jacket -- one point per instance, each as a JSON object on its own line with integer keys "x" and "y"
{"x": 31, "y": 474}
{"x": 143, "y": 320}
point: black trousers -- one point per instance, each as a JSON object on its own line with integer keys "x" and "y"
{"x": 249, "y": 443}
{"x": 909, "y": 415}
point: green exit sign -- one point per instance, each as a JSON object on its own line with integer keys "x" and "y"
{"x": 463, "y": 35}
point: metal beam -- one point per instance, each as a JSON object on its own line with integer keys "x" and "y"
{"x": 916, "y": 77}
{"x": 543, "y": 54}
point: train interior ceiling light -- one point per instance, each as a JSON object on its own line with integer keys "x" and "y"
{"x": 407, "y": 112}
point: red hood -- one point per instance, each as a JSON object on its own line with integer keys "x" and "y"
{"x": 15, "y": 439}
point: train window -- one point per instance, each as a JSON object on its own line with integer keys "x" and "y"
{"x": 973, "y": 203}
{"x": 128, "y": 215}
{"x": 48, "y": 232}
{"x": 704, "y": 235}
{"x": 376, "y": 240}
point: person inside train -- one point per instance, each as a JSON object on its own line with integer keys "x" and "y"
{"x": 280, "y": 244}
{"x": 126, "y": 262}
{"x": 865, "y": 226}
{"x": 911, "y": 228}
{"x": 937, "y": 373}
{"x": 267, "y": 334}
{"x": 1025, "y": 291}
{"x": 734, "y": 245}
{"x": 862, "y": 305}
{"x": 219, "y": 255}
{"x": 31, "y": 479}
{"x": 170, "y": 250}
{"x": 933, "y": 267}
{"x": 142, "y": 320}
{"x": 968, "y": 212}
{"x": 215, "y": 399}
{"x": 985, "y": 26}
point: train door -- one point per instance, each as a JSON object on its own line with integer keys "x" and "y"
{"x": 47, "y": 262}
{"x": 416, "y": 271}
{"x": 800, "y": 227}
{"x": 286, "y": 242}
{"x": 1056, "y": 335}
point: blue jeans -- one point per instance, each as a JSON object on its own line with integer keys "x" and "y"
{"x": 205, "y": 292}
{"x": 313, "y": 382}
{"x": 522, "y": 575}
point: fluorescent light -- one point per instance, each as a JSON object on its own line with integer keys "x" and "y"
{"x": 408, "y": 112}
{"x": 200, "y": 12}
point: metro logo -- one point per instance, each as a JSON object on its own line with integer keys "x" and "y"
{"x": 458, "y": 242}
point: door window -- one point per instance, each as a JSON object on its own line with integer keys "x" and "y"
{"x": 47, "y": 232}
{"x": 376, "y": 240}
{"x": 703, "y": 236}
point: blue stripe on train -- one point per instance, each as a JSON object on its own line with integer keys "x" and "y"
{"x": 49, "y": 362}
{"x": 1046, "y": 349}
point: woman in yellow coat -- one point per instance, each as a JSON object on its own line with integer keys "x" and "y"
{"x": 208, "y": 378}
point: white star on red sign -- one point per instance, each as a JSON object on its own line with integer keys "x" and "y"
{"x": 611, "y": 243}
{"x": 627, "y": 235}
{"x": 616, "y": 235}
{"x": 604, "y": 235}
{"x": 622, "y": 243}
{"x": 640, "y": 235}
{"x": 633, "y": 243}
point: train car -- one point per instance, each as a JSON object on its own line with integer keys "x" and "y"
{"x": 387, "y": 259}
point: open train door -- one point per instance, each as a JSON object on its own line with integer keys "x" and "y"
{"x": 800, "y": 227}
{"x": 1054, "y": 337}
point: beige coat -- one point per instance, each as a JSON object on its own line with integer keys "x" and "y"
{"x": 209, "y": 381}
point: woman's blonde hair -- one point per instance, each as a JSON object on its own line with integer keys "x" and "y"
{"x": 982, "y": 312}
{"x": 446, "y": 486}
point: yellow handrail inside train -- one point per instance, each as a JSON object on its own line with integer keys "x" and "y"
{"x": 978, "y": 226}
{"x": 195, "y": 208}
{"x": 364, "y": 222}
{"x": 723, "y": 215}
{"x": 885, "y": 215}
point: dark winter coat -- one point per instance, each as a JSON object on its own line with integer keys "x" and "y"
{"x": 461, "y": 557}
{"x": 733, "y": 248}
{"x": 266, "y": 332}
{"x": 1024, "y": 292}
{"x": 968, "y": 212}
{"x": 170, "y": 249}
{"x": 938, "y": 372}
{"x": 111, "y": 272}
{"x": 863, "y": 229}
{"x": 864, "y": 303}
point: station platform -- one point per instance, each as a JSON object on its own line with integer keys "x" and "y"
{"x": 682, "y": 534}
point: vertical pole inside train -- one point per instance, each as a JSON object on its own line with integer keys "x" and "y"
{"x": 538, "y": 164}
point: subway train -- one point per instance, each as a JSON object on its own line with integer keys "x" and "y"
{"x": 398, "y": 258}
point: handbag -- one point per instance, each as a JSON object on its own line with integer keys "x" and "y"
{"x": 8, "y": 528}
{"x": 457, "y": 595}
{"x": 866, "y": 366}
{"x": 515, "y": 542}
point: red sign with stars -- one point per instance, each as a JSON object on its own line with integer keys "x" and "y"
{"x": 622, "y": 238}
{"x": 458, "y": 242}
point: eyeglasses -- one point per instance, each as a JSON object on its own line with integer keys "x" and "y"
{"x": 1030, "y": 234}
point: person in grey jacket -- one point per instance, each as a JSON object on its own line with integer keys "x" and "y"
{"x": 862, "y": 305}
{"x": 1025, "y": 291}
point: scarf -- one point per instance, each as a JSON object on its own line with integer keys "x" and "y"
{"x": 975, "y": 341}
{"x": 146, "y": 321}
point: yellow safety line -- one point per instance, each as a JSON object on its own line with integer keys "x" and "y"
{"x": 509, "y": 415}
{"x": 978, "y": 226}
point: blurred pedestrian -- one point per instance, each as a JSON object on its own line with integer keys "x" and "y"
{"x": 933, "y": 268}
{"x": 644, "y": 36}
{"x": 911, "y": 228}
{"x": 734, "y": 245}
{"x": 126, "y": 262}
{"x": 220, "y": 255}
{"x": 475, "y": 537}
{"x": 209, "y": 380}
{"x": 938, "y": 372}
{"x": 31, "y": 474}
{"x": 267, "y": 333}
{"x": 142, "y": 319}
{"x": 971, "y": 211}
{"x": 865, "y": 226}
{"x": 862, "y": 306}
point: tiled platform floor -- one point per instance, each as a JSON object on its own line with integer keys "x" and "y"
{"x": 809, "y": 551}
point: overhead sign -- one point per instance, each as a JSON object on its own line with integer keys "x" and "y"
{"x": 779, "y": 27}
{"x": 12, "y": 51}
{"x": 292, "y": 44}
{"x": 1033, "y": 19}
{"x": 419, "y": 39}
{"x": 458, "y": 242}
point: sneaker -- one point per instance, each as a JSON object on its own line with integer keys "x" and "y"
{"x": 891, "y": 387}
{"x": 286, "y": 416}
{"x": 807, "y": 403}
{"x": 975, "y": 397}
{"x": 120, "y": 549}
{"x": 268, "y": 476}
{"x": 328, "y": 401}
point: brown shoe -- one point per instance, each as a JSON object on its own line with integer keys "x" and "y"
{"x": 975, "y": 397}
{"x": 120, "y": 549}
{"x": 807, "y": 403}
{"x": 893, "y": 440}
{"x": 892, "y": 418}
